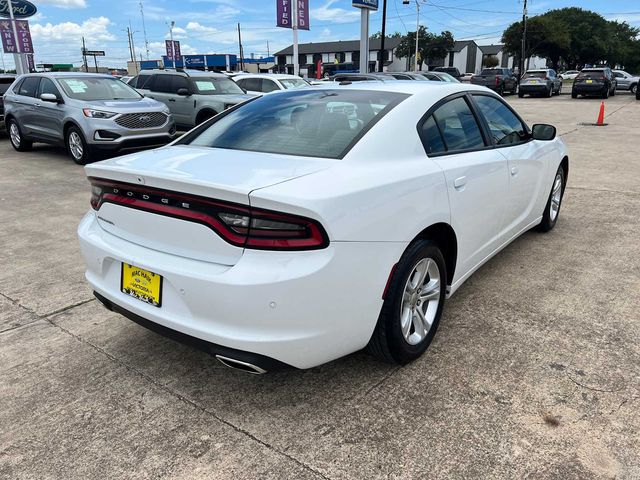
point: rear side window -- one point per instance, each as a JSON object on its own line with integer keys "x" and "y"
{"x": 178, "y": 82}
{"x": 269, "y": 85}
{"x": 305, "y": 122}
{"x": 505, "y": 127}
{"x": 251, "y": 84}
{"x": 29, "y": 87}
{"x": 4, "y": 84}
{"x": 162, "y": 84}
{"x": 432, "y": 138}
{"x": 143, "y": 81}
{"x": 458, "y": 125}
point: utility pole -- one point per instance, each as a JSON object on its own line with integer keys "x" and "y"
{"x": 294, "y": 27}
{"x": 417, "y": 30}
{"x": 144, "y": 31}
{"x": 133, "y": 49}
{"x": 133, "y": 58}
{"x": 240, "y": 47}
{"x": 384, "y": 32}
{"x": 524, "y": 38}
{"x": 268, "y": 52}
{"x": 84, "y": 56}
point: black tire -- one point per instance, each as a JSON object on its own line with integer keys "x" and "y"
{"x": 574, "y": 95}
{"x": 559, "y": 92}
{"x": 613, "y": 92}
{"x": 549, "y": 93}
{"x": 500, "y": 90}
{"x": 205, "y": 115}
{"x": 70, "y": 140}
{"x": 548, "y": 222}
{"x": 605, "y": 95}
{"x": 388, "y": 343}
{"x": 18, "y": 142}
{"x": 634, "y": 89}
{"x": 520, "y": 94}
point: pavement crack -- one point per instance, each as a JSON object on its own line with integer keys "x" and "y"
{"x": 68, "y": 307}
{"x": 594, "y": 389}
{"x": 188, "y": 401}
{"x": 604, "y": 190}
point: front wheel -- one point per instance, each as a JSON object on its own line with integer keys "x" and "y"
{"x": 413, "y": 305}
{"x": 552, "y": 209}
{"x": 17, "y": 140}
{"x": 520, "y": 94}
{"x": 77, "y": 146}
{"x": 634, "y": 88}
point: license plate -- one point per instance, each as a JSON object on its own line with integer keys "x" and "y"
{"x": 589, "y": 81}
{"x": 141, "y": 284}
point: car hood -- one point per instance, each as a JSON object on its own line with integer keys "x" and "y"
{"x": 231, "y": 98}
{"x": 126, "y": 106}
{"x": 225, "y": 174}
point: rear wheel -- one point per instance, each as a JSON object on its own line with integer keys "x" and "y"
{"x": 574, "y": 95}
{"x": 77, "y": 147}
{"x": 634, "y": 88}
{"x": 613, "y": 92}
{"x": 559, "y": 92}
{"x": 17, "y": 140}
{"x": 520, "y": 94}
{"x": 413, "y": 305}
{"x": 552, "y": 209}
{"x": 606, "y": 93}
{"x": 550, "y": 92}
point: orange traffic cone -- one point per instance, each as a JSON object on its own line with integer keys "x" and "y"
{"x": 601, "y": 115}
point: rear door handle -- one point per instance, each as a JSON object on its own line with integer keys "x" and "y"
{"x": 514, "y": 171}
{"x": 172, "y": 99}
{"x": 459, "y": 182}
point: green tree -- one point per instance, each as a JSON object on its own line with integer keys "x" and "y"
{"x": 490, "y": 61}
{"x": 430, "y": 46}
{"x": 378, "y": 35}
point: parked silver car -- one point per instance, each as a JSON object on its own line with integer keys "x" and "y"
{"x": 626, "y": 81}
{"x": 86, "y": 113}
{"x": 192, "y": 96}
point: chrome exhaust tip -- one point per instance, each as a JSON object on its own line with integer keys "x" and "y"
{"x": 240, "y": 365}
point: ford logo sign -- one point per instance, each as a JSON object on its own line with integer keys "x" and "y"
{"x": 144, "y": 118}
{"x": 21, "y": 9}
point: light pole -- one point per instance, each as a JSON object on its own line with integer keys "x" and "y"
{"x": 407, "y": 2}
{"x": 173, "y": 53}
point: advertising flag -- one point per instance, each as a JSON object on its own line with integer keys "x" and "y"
{"x": 8, "y": 40}
{"x": 31, "y": 62}
{"x": 169, "y": 47}
{"x": 25, "y": 45}
{"x": 283, "y": 8}
{"x": 303, "y": 14}
{"x": 176, "y": 51}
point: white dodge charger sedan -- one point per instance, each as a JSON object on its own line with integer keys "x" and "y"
{"x": 302, "y": 226}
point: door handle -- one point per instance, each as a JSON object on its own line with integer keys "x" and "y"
{"x": 36, "y": 104}
{"x": 460, "y": 182}
{"x": 172, "y": 99}
{"x": 514, "y": 171}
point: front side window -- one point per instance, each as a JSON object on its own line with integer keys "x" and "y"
{"x": 97, "y": 88}
{"x": 217, "y": 86}
{"x": 505, "y": 127}
{"x": 305, "y": 122}
{"x": 458, "y": 125}
{"x": 47, "y": 86}
{"x": 291, "y": 83}
{"x": 161, "y": 84}
{"x": 29, "y": 87}
{"x": 269, "y": 86}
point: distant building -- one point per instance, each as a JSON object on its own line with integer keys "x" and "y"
{"x": 340, "y": 56}
{"x": 259, "y": 65}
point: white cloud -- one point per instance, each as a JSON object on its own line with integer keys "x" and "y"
{"x": 70, "y": 32}
{"x": 67, "y": 4}
{"x": 327, "y": 13}
{"x": 198, "y": 27}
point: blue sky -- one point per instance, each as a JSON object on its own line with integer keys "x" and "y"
{"x": 209, "y": 26}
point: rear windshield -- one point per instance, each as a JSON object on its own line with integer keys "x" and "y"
{"x": 291, "y": 83}
{"x": 591, "y": 74}
{"x": 305, "y": 122}
{"x": 4, "y": 84}
{"x": 535, "y": 75}
{"x": 216, "y": 86}
{"x": 491, "y": 71}
{"x": 97, "y": 88}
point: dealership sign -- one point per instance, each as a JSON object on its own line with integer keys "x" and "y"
{"x": 21, "y": 9}
{"x": 284, "y": 9}
{"x": 173, "y": 50}
{"x": 194, "y": 60}
{"x": 369, "y": 4}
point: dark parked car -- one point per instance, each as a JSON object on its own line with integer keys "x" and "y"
{"x": 499, "y": 80}
{"x": 5, "y": 82}
{"x": 544, "y": 82}
{"x": 453, "y": 71}
{"x": 595, "y": 82}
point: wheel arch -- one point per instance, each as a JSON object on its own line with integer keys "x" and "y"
{"x": 67, "y": 125}
{"x": 204, "y": 111}
{"x": 444, "y": 235}
{"x": 564, "y": 163}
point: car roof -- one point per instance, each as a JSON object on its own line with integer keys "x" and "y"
{"x": 408, "y": 87}
{"x": 68, "y": 74}
{"x": 592, "y": 69}
{"x": 277, "y": 76}
{"x": 187, "y": 72}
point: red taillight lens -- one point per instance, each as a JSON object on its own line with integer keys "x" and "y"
{"x": 498, "y": 80}
{"x": 239, "y": 225}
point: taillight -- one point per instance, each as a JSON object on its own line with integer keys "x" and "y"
{"x": 239, "y": 225}
{"x": 498, "y": 80}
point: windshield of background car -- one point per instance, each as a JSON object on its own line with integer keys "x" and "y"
{"x": 216, "y": 86}
{"x": 534, "y": 75}
{"x": 447, "y": 78}
{"x": 292, "y": 83}
{"x": 4, "y": 84}
{"x": 325, "y": 123}
{"x": 97, "y": 88}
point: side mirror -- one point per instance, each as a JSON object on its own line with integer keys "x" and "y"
{"x": 49, "y": 97}
{"x": 184, "y": 92}
{"x": 544, "y": 132}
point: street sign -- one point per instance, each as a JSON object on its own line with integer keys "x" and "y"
{"x": 21, "y": 9}
{"x": 194, "y": 60}
{"x": 94, "y": 53}
{"x": 368, "y": 4}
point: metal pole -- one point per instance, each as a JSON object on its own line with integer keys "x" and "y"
{"x": 133, "y": 50}
{"x": 524, "y": 38}
{"x": 95, "y": 62}
{"x": 144, "y": 31}
{"x": 17, "y": 57}
{"x": 84, "y": 56}
{"x": 4, "y": 67}
{"x": 417, "y": 31}
{"x": 294, "y": 25}
{"x": 241, "y": 49}
{"x": 384, "y": 30}
{"x": 364, "y": 40}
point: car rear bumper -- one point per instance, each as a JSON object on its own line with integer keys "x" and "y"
{"x": 295, "y": 308}
{"x": 541, "y": 88}
{"x": 589, "y": 89}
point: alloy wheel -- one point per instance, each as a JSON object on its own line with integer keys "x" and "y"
{"x": 420, "y": 300}
{"x": 556, "y": 197}
{"x": 75, "y": 145}
{"x": 14, "y": 133}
